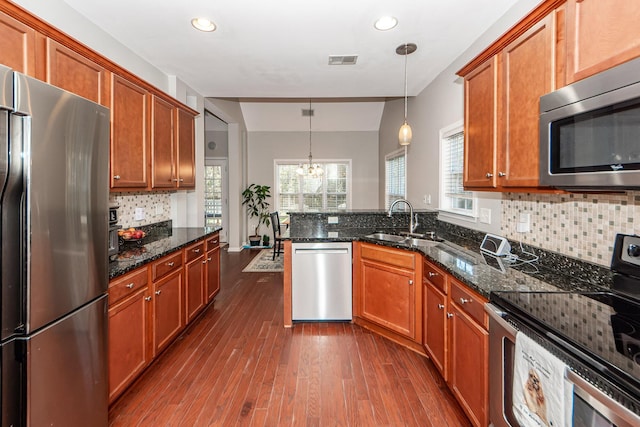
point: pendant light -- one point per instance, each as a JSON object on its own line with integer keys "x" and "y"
{"x": 310, "y": 169}
{"x": 405, "y": 135}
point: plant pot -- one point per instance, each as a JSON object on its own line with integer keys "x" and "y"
{"x": 254, "y": 240}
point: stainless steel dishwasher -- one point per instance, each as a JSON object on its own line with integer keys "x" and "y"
{"x": 321, "y": 281}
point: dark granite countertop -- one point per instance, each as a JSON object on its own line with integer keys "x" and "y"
{"x": 466, "y": 264}
{"x": 133, "y": 255}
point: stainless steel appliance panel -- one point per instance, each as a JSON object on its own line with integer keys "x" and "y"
{"x": 12, "y": 386}
{"x": 66, "y": 370}
{"x": 321, "y": 281}
{"x": 66, "y": 155}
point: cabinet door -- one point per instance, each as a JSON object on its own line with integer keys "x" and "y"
{"x": 168, "y": 316}
{"x": 527, "y": 74}
{"x": 129, "y": 351}
{"x": 469, "y": 379}
{"x": 480, "y": 113}
{"x": 71, "y": 71}
{"x": 17, "y": 45}
{"x": 387, "y": 297}
{"x": 435, "y": 327}
{"x": 213, "y": 273}
{"x": 186, "y": 149}
{"x": 162, "y": 145}
{"x": 129, "y": 136}
{"x": 194, "y": 287}
{"x": 600, "y": 35}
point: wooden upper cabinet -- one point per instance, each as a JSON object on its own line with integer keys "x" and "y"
{"x": 71, "y": 71}
{"x": 129, "y": 136}
{"x": 185, "y": 142}
{"x": 17, "y": 45}
{"x": 480, "y": 120}
{"x": 600, "y": 35}
{"x": 162, "y": 144}
{"x": 528, "y": 73}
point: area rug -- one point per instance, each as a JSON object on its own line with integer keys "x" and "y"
{"x": 262, "y": 263}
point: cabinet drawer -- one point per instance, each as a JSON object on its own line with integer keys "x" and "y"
{"x": 193, "y": 252}
{"x": 213, "y": 241}
{"x": 470, "y": 302}
{"x": 435, "y": 276}
{"x": 127, "y": 285}
{"x": 396, "y": 257}
{"x": 166, "y": 265}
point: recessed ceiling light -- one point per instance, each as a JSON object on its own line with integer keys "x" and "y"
{"x": 385, "y": 23}
{"x": 203, "y": 24}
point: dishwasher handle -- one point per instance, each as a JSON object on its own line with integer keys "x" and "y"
{"x": 321, "y": 251}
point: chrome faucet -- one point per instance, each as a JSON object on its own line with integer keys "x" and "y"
{"x": 413, "y": 222}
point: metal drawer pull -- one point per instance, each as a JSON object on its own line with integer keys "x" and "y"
{"x": 411, "y": 282}
{"x": 196, "y": 251}
{"x": 147, "y": 298}
{"x": 449, "y": 315}
{"x": 175, "y": 180}
{"x": 489, "y": 175}
{"x": 208, "y": 259}
{"x": 204, "y": 261}
{"x": 171, "y": 264}
{"x": 464, "y": 300}
{"x": 116, "y": 177}
{"x": 440, "y": 306}
{"x": 181, "y": 179}
{"x": 432, "y": 274}
{"x": 502, "y": 174}
{"x": 158, "y": 292}
{"x": 130, "y": 285}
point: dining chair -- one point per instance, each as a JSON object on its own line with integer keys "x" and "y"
{"x": 277, "y": 239}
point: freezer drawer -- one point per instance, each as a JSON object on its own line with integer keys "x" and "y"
{"x": 321, "y": 281}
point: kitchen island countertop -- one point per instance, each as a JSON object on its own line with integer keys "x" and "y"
{"x": 133, "y": 255}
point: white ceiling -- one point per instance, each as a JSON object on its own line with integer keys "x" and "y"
{"x": 280, "y": 48}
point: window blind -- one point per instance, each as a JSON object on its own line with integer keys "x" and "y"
{"x": 454, "y": 195}
{"x": 395, "y": 177}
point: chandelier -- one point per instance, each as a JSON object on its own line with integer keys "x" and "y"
{"x": 313, "y": 170}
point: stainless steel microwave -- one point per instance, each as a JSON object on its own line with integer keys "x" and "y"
{"x": 590, "y": 132}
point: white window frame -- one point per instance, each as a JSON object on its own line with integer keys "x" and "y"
{"x": 276, "y": 179}
{"x": 468, "y": 214}
{"x": 394, "y": 154}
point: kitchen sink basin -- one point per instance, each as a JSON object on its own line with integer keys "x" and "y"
{"x": 387, "y": 237}
{"x": 413, "y": 241}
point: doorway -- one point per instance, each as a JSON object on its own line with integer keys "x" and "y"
{"x": 216, "y": 200}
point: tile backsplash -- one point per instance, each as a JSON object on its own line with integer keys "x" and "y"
{"x": 582, "y": 226}
{"x": 157, "y": 207}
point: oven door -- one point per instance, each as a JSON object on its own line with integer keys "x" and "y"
{"x": 591, "y": 407}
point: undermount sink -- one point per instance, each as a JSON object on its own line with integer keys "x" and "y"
{"x": 387, "y": 237}
{"x": 413, "y": 241}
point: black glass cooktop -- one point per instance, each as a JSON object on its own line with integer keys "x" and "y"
{"x": 604, "y": 325}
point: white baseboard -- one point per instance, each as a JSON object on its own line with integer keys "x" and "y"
{"x": 235, "y": 249}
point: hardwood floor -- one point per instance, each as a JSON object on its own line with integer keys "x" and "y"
{"x": 237, "y": 365}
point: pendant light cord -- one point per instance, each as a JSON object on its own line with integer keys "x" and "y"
{"x": 406, "y": 53}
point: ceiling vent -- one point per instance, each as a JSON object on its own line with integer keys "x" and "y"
{"x": 307, "y": 112}
{"x": 343, "y": 59}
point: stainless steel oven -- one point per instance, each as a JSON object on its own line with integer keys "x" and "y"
{"x": 592, "y": 405}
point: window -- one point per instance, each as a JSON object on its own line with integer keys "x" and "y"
{"x": 212, "y": 195}
{"x": 298, "y": 193}
{"x": 453, "y": 197}
{"x": 395, "y": 176}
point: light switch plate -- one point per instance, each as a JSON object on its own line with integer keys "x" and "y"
{"x": 485, "y": 215}
{"x": 138, "y": 214}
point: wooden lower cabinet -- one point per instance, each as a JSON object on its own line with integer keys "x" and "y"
{"x": 130, "y": 311}
{"x": 168, "y": 309}
{"x": 195, "y": 270}
{"x": 456, "y": 339}
{"x": 387, "y": 297}
{"x": 212, "y": 273}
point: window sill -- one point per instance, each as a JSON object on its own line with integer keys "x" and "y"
{"x": 457, "y": 215}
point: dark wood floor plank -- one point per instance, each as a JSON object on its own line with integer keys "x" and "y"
{"x": 237, "y": 366}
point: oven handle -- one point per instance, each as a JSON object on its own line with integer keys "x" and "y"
{"x": 496, "y": 314}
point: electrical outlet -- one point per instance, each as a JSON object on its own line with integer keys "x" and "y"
{"x": 158, "y": 209}
{"x": 426, "y": 199}
{"x": 524, "y": 223}
{"x": 485, "y": 215}
{"x": 138, "y": 214}
{"x": 332, "y": 219}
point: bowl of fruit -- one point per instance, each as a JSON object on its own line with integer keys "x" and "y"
{"x": 131, "y": 235}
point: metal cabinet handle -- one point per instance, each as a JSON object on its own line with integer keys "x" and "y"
{"x": 440, "y": 306}
{"x": 208, "y": 259}
{"x": 204, "y": 262}
{"x": 130, "y": 285}
{"x": 432, "y": 274}
{"x": 171, "y": 264}
{"x": 489, "y": 175}
{"x": 449, "y": 315}
{"x": 116, "y": 176}
{"x": 175, "y": 180}
{"x": 181, "y": 179}
{"x": 147, "y": 298}
{"x": 411, "y": 282}
{"x": 158, "y": 292}
{"x": 196, "y": 251}
{"x": 464, "y": 300}
{"x": 501, "y": 174}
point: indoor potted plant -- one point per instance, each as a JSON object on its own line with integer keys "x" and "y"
{"x": 265, "y": 240}
{"x": 255, "y": 198}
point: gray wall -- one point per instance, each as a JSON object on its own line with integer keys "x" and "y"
{"x": 360, "y": 147}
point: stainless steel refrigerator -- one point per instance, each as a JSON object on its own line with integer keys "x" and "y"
{"x": 54, "y": 209}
